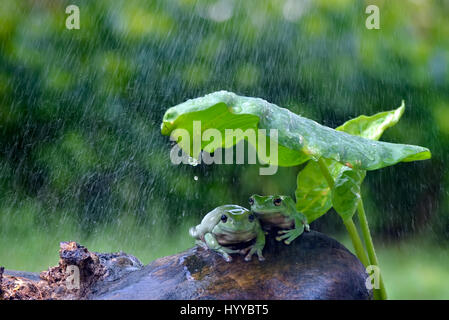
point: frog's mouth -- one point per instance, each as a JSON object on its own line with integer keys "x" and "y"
{"x": 232, "y": 237}
{"x": 238, "y": 232}
{"x": 265, "y": 211}
{"x": 274, "y": 218}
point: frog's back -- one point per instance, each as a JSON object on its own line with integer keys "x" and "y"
{"x": 211, "y": 219}
{"x": 232, "y": 208}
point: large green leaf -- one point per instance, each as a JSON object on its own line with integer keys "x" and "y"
{"x": 313, "y": 194}
{"x": 346, "y": 191}
{"x": 372, "y": 127}
{"x": 299, "y": 139}
{"x": 313, "y": 189}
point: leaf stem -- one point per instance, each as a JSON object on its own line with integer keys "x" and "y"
{"x": 356, "y": 242}
{"x": 349, "y": 224}
{"x": 325, "y": 171}
{"x": 370, "y": 246}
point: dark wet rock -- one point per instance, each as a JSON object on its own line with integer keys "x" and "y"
{"x": 313, "y": 267}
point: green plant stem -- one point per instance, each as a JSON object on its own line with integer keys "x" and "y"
{"x": 349, "y": 224}
{"x": 354, "y": 235}
{"x": 370, "y": 247}
{"x": 325, "y": 171}
{"x": 356, "y": 241}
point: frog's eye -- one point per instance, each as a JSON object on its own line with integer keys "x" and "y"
{"x": 251, "y": 201}
{"x": 277, "y": 201}
{"x": 251, "y": 218}
{"x": 224, "y": 218}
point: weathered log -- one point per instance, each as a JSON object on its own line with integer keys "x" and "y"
{"x": 72, "y": 279}
{"x": 314, "y": 266}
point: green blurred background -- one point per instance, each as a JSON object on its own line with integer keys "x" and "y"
{"x": 82, "y": 157}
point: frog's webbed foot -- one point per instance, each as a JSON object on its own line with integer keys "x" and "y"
{"x": 250, "y": 251}
{"x": 290, "y": 235}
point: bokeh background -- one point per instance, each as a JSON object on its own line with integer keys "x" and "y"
{"x": 82, "y": 157}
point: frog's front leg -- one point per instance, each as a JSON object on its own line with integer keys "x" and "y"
{"x": 212, "y": 243}
{"x": 257, "y": 247}
{"x": 290, "y": 235}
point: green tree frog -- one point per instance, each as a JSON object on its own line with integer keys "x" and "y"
{"x": 279, "y": 211}
{"x": 229, "y": 225}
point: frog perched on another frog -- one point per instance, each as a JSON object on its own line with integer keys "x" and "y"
{"x": 230, "y": 225}
{"x": 280, "y": 212}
